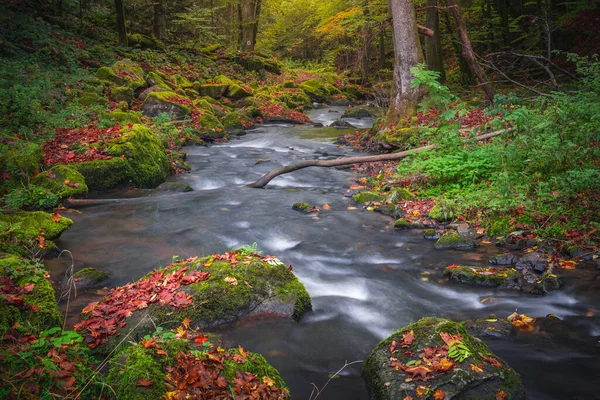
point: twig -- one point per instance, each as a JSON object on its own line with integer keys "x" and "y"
{"x": 70, "y": 280}
{"x": 319, "y": 391}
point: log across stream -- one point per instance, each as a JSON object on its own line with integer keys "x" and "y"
{"x": 366, "y": 279}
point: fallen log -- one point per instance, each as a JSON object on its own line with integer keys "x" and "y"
{"x": 262, "y": 182}
{"x": 79, "y": 203}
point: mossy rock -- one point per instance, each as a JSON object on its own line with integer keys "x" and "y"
{"x": 121, "y": 93}
{"x": 289, "y": 85}
{"x": 56, "y": 180}
{"x": 315, "y": 89}
{"x": 460, "y": 382}
{"x": 30, "y": 224}
{"x": 252, "y": 287}
{"x": 21, "y": 159}
{"x": 431, "y": 234}
{"x": 103, "y": 174}
{"x": 144, "y": 155}
{"x": 257, "y": 63}
{"x": 502, "y": 278}
{"x": 402, "y": 223}
{"x": 295, "y": 98}
{"x": 137, "y": 363}
{"x": 232, "y": 121}
{"x": 159, "y": 80}
{"x": 452, "y": 240}
{"x": 109, "y": 74}
{"x": 88, "y": 277}
{"x": 209, "y": 124}
{"x": 212, "y": 90}
{"x": 131, "y": 74}
{"x": 165, "y": 102}
{"x": 92, "y": 99}
{"x": 364, "y": 197}
{"x": 402, "y": 138}
{"x": 341, "y": 124}
{"x": 123, "y": 117}
{"x": 236, "y": 92}
{"x": 442, "y": 212}
{"x": 45, "y": 313}
{"x": 357, "y": 112}
{"x": 181, "y": 81}
{"x": 397, "y": 195}
{"x": 142, "y": 41}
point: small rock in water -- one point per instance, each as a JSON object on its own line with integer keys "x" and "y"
{"x": 504, "y": 259}
{"x": 537, "y": 262}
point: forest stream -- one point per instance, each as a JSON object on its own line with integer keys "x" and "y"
{"x": 366, "y": 280}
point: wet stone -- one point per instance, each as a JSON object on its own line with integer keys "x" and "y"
{"x": 504, "y": 259}
{"x": 537, "y": 262}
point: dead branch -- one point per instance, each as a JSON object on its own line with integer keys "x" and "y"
{"x": 262, "y": 182}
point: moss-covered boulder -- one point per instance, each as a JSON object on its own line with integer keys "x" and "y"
{"x": 315, "y": 89}
{"x": 26, "y": 226}
{"x": 166, "y": 367}
{"x": 232, "y": 122}
{"x": 142, "y": 41}
{"x": 131, "y": 74}
{"x": 92, "y": 99}
{"x": 174, "y": 105}
{"x": 209, "y": 291}
{"x": 502, "y": 278}
{"x": 403, "y": 223}
{"x": 437, "y": 355}
{"x": 103, "y": 174}
{"x": 144, "y": 155}
{"x": 212, "y": 90}
{"x": 364, "y": 197}
{"x": 397, "y": 195}
{"x": 26, "y": 297}
{"x": 452, "y": 240}
{"x": 160, "y": 81}
{"x": 431, "y": 234}
{"x": 63, "y": 181}
{"x": 121, "y": 93}
{"x": 235, "y": 90}
{"x": 123, "y": 117}
{"x": 341, "y": 124}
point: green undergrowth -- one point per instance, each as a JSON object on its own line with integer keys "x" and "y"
{"x": 543, "y": 173}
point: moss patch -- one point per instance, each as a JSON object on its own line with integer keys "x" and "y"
{"x": 174, "y": 105}
{"x": 315, "y": 89}
{"x": 20, "y": 159}
{"x": 507, "y": 278}
{"x": 364, "y": 197}
{"x": 452, "y": 240}
{"x": 442, "y": 212}
{"x": 399, "y": 194}
{"x": 63, "y": 181}
{"x": 42, "y": 297}
{"x": 103, "y": 174}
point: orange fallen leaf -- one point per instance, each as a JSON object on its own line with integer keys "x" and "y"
{"x": 439, "y": 394}
{"x": 144, "y": 383}
{"x": 56, "y": 217}
{"x": 476, "y": 368}
{"x": 501, "y": 395}
{"x": 326, "y": 207}
{"x": 422, "y": 391}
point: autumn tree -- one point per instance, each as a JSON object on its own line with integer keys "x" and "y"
{"x": 407, "y": 54}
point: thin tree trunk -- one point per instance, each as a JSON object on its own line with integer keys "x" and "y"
{"x": 407, "y": 54}
{"x": 433, "y": 45}
{"x": 364, "y": 65}
{"x": 160, "y": 20}
{"x": 381, "y": 49}
{"x": 262, "y": 182}
{"x": 467, "y": 50}
{"x": 466, "y": 76}
{"x": 249, "y": 14}
{"x": 121, "y": 22}
{"x": 57, "y": 8}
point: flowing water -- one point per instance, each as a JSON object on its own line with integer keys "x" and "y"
{"x": 366, "y": 280}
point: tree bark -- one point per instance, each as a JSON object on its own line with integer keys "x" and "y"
{"x": 121, "y": 22}
{"x": 407, "y": 54}
{"x": 381, "y": 57}
{"x": 467, "y": 50}
{"x": 249, "y": 14}
{"x": 433, "y": 45}
{"x": 160, "y": 20}
{"x": 364, "y": 62}
{"x": 262, "y": 182}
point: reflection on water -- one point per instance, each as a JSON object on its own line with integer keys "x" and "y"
{"x": 366, "y": 279}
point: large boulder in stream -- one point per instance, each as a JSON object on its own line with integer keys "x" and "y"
{"x": 208, "y": 291}
{"x": 436, "y": 358}
{"x": 185, "y": 364}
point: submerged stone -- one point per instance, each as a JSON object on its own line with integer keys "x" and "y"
{"x": 504, "y": 259}
{"x": 304, "y": 207}
{"x": 340, "y": 123}
{"x": 176, "y": 187}
{"x": 507, "y": 278}
{"x": 88, "y": 277}
{"x": 437, "y": 354}
{"x": 364, "y": 197}
{"x": 357, "y": 112}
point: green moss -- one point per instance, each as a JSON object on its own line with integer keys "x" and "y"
{"x": 364, "y": 197}
{"x": 144, "y": 155}
{"x": 181, "y": 81}
{"x": 403, "y": 138}
{"x": 255, "y": 364}
{"x": 204, "y": 105}
{"x": 30, "y": 224}
{"x": 315, "y": 89}
{"x": 232, "y": 121}
{"x": 210, "y": 125}
{"x": 132, "y": 365}
{"x": 92, "y": 99}
{"x": 442, "y": 212}
{"x": 159, "y": 102}
{"x": 401, "y": 223}
{"x": 91, "y": 274}
{"x": 399, "y": 194}
{"x": 236, "y": 92}
{"x": 41, "y": 296}
{"x": 108, "y": 74}
{"x": 304, "y": 207}
{"x": 215, "y": 91}
{"x": 289, "y": 85}
{"x": 123, "y": 117}
{"x": 143, "y": 41}
{"x": 121, "y": 93}
{"x": 357, "y": 112}
{"x": 452, "y": 240}
{"x": 103, "y": 174}
{"x": 160, "y": 80}
{"x": 54, "y": 180}
{"x": 21, "y": 159}
{"x": 130, "y": 73}
{"x": 500, "y": 227}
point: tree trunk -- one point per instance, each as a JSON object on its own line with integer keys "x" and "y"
{"x": 381, "y": 57}
{"x": 407, "y": 54}
{"x": 433, "y": 45}
{"x": 57, "y": 8}
{"x": 364, "y": 62}
{"x": 121, "y": 22}
{"x": 467, "y": 50}
{"x": 160, "y": 20}
{"x": 249, "y": 13}
{"x": 262, "y": 182}
{"x": 466, "y": 76}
